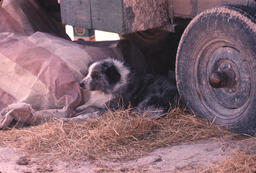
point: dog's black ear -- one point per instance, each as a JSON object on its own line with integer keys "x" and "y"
{"x": 112, "y": 74}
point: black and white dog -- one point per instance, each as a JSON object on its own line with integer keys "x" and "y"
{"x": 110, "y": 81}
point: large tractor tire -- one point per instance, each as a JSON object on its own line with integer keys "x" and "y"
{"x": 216, "y": 67}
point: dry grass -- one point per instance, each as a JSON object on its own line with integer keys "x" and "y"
{"x": 116, "y": 135}
{"x": 239, "y": 162}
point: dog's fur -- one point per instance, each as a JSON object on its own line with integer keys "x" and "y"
{"x": 110, "y": 81}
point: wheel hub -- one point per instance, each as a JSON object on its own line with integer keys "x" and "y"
{"x": 223, "y": 79}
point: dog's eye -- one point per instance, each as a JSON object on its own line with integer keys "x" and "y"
{"x": 95, "y": 75}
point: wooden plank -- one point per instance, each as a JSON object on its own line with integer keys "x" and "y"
{"x": 76, "y": 13}
{"x": 126, "y": 16}
{"x": 121, "y": 16}
{"x": 107, "y": 15}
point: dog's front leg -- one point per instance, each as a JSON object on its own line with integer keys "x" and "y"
{"x": 84, "y": 107}
{"x": 82, "y": 117}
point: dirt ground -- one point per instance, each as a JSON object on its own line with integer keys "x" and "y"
{"x": 55, "y": 147}
{"x": 180, "y": 158}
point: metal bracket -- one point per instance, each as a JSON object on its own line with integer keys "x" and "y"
{"x": 170, "y": 11}
{"x": 168, "y": 28}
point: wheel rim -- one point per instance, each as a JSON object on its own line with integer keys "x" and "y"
{"x": 223, "y": 79}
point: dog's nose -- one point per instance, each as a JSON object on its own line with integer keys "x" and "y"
{"x": 82, "y": 84}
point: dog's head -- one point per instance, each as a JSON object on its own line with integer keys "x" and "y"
{"x": 106, "y": 75}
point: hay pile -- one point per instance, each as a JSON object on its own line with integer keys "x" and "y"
{"x": 239, "y": 162}
{"x": 119, "y": 135}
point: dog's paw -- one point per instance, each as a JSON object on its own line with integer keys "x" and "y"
{"x": 82, "y": 117}
{"x": 86, "y": 110}
{"x": 80, "y": 109}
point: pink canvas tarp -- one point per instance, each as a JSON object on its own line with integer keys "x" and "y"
{"x": 40, "y": 74}
{"x": 40, "y": 68}
{"x": 38, "y": 71}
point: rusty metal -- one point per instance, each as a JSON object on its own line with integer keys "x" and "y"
{"x": 171, "y": 11}
{"x": 223, "y": 79}
{"x": 168, "y": 28}
{"x": 218, "y": 79}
